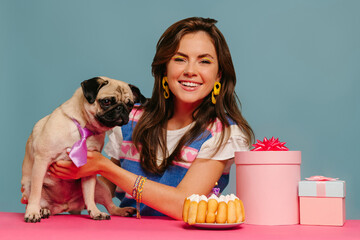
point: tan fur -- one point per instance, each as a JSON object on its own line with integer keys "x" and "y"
{"x": 48, "y": 142}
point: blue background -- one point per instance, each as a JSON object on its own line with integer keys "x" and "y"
{"x": 297, "y": 64}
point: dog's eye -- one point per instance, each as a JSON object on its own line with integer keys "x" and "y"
{"x": 106, "y": 102}
{"x": 130, "y": 104}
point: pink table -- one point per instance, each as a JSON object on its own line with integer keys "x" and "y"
{"x": 68, "y": 227}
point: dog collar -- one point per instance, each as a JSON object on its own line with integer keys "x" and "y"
{"x": 78, "y": 152}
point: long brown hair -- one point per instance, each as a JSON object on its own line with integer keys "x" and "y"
{"x": 150, "y": 132}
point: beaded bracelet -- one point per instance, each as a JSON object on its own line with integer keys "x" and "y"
{"x": 137, "y": 192}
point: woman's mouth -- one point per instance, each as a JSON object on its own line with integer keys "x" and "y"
{"x": 190, "y": 84}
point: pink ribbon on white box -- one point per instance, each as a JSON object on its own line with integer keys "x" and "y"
{"x": 321, "y": 184}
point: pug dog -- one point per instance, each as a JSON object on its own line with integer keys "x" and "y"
{"x": 98, "y": 105}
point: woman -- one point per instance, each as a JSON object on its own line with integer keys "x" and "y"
{"x": 183, "y": 140}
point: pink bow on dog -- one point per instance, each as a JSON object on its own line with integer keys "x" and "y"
{"x": 78, "y": 152}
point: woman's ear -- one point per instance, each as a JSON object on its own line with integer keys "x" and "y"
{"x": 218, "y": 77}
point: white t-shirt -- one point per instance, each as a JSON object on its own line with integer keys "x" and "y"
{"x": 236, "y": 142}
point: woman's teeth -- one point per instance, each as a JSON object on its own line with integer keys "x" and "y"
{"x": 190, "y": 84}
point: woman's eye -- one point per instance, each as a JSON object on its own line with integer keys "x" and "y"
{"x": 179, "y": 59}
{"x": 205, "y": 61}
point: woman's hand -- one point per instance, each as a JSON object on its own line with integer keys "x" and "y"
{"x": 67, "y": 170}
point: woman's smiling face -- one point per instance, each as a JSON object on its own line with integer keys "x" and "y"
{"x": 193, "y": 70}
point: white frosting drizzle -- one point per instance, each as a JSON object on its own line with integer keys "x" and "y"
{"x": 194, "y": 198}
{"x": 233, "y": 197}
{"x": 190, "y": 197}
{"x": 222, "y": 198}
{"x": 213, "y": 196}
{"x": 203, "y": 198}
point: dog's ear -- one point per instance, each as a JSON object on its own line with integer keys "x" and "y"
{"x": 91, "y": 88}
{"x": 138, "y": 97}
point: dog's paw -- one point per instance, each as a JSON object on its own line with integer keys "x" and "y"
{"x": 124, "y": 212}
{"x": 99, "y": 215}
{"x": 45, "y": 213}
{"x": 32, "y": 215}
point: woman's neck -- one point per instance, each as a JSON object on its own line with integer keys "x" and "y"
{"x": 183, "y": 116}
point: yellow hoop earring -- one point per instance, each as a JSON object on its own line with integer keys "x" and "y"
{"x": 215, "y": 92}
{"x": 166, "y": 87}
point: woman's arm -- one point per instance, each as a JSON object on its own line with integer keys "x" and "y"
{"x": 199, "y": 179}
{"x": 108, "y": 183}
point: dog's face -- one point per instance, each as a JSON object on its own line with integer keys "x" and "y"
{"x": 110, "y": 101}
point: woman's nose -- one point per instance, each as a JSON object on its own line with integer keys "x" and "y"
{"x": 190, "y": 70}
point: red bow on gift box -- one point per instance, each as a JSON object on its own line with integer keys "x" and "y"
{"x": 271, "y": 144}
{"x": 321, "y": 178}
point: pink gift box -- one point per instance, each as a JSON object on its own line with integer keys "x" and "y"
{"x": 267, "y": 183}
{"x": 322, "y": 202}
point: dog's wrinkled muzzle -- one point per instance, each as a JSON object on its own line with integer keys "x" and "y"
{"x": 117, "y": 115}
